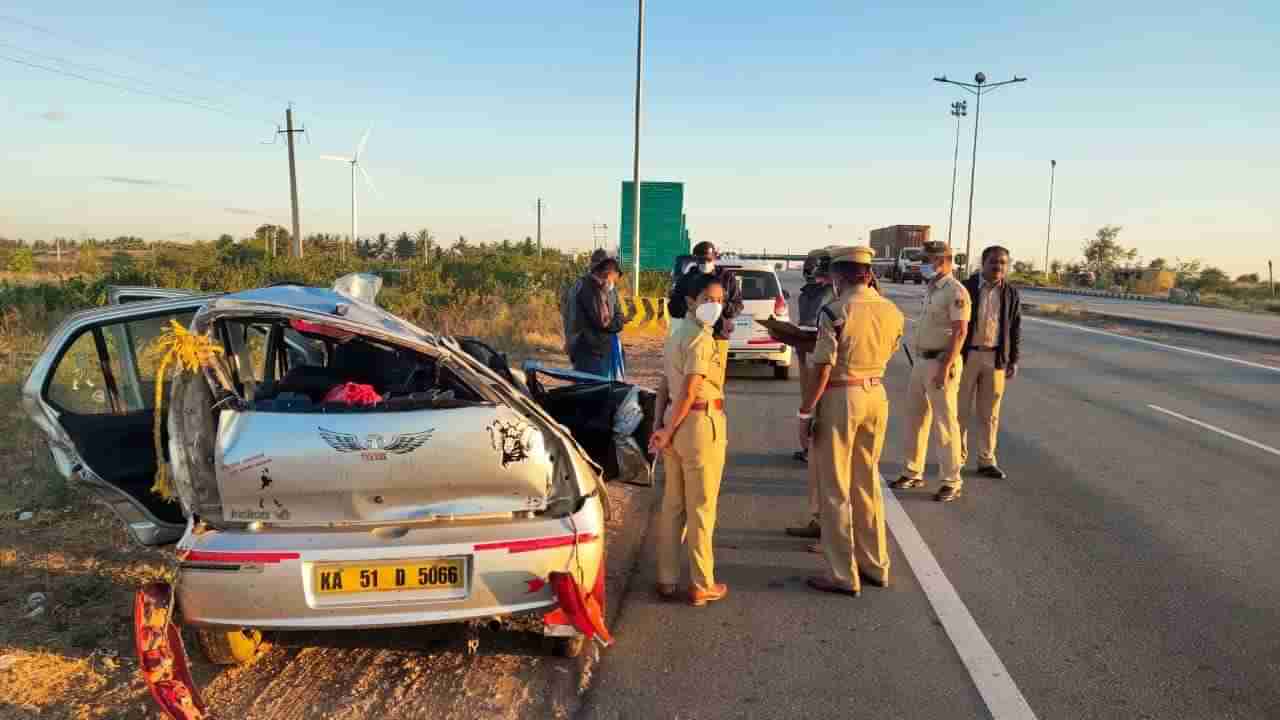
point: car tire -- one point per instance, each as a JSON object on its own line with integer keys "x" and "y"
{"x": 567, "y": 647}
{"x": 781, "y": 372}
{"x": 237, "y": 647}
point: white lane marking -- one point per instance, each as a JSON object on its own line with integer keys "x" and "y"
{"x": 1220, "y": 431}
{"x": 1003, "y": 699}
{"x": 1152, "y": 343}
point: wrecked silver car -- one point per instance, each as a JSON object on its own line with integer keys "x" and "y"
{"x": 336, "y": 466}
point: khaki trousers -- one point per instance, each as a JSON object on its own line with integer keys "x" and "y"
{"x": 929, "y": 406}
{"x": 693, "y": 465}
{"x": 846, "y": 452}
{"x": 981, "y": 390}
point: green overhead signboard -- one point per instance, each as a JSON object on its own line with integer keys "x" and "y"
{"x": 663, "y": 234}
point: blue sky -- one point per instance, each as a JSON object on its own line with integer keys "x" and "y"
{"x": 782, "y": 118}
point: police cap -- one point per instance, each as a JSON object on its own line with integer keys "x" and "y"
{"x": 856, "y": 254}
{"x": 937, "y": 247}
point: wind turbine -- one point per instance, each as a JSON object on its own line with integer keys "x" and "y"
{"x": 354, "y": 162}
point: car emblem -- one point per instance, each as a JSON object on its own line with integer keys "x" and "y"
{"x": 375, "y": 446}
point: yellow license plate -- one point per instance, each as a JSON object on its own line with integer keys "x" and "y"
{"x": 447, "y": 574}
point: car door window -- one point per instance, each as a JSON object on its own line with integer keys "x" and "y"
{"x": 78, "y": 384}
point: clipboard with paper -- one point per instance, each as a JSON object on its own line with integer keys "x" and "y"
{"x": 799, "y": 337}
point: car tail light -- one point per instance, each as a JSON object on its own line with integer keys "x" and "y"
{"x": 162, "y": 659}
{"x": 780, "y": 306}
{"x": 585, "y": 612}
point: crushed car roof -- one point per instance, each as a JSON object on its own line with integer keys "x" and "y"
{"x": 317, "y": 301}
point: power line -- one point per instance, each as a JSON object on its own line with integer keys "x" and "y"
{"x": 102, "y": 71}
{"x": 79, "y": 42}
{"x": 126, "y": 88}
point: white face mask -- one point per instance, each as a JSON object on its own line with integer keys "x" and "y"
{"x": 706, "y": 266}
{"x": 708, "y": 313}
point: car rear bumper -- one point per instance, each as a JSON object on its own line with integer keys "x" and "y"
{"x": 778, "y": 353}
{"x": 267, "y": 580}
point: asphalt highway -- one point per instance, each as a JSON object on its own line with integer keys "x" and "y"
{"x": 1128, "y": 568}
{"x": 1193, "y": 316}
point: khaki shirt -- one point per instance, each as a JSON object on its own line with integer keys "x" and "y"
{"x": 945, "y": 302}
{"x": 986, "y": 331}
{"x": 691, "y": 350}
{"x": 857, "y": 334}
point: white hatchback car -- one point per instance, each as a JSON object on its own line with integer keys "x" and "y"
{"x": 762, "y": 298}
{"x": 460, "y": 495}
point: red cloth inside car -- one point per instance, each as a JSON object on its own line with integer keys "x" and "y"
{"x": 353, "y": 394}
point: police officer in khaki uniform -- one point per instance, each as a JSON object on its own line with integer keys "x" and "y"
{"x": 847, "y": 411}
{"x": 693, "y": 440}
{"x": 934, "y": 388}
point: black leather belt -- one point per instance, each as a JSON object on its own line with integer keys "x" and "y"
{"x": 932, "y": 354}
{"x": 980, "y": 348}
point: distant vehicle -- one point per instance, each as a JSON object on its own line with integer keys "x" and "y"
{"x": 763, "y": 298}
{"x": 908, "y": 265}
{"x": 883, "y": 267}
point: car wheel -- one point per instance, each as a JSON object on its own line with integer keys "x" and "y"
{"x": 236, "y": 647}
{"x": 567, "y": 647}
{"x": 781, "y": 372}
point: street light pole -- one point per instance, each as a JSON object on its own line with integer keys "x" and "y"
{"x": 977, "y": 88}
{"x": 635, "y": 159}
{"x": 1048, "y": 233}
{"x": 958, "y": 110}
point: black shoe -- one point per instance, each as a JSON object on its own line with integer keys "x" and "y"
{"x": 867, "y": 579}
{"x": 812, "y": 530}
{"x": 906, "y": 483}
{"x": 993, "y": 472}
{"x": 947, "y": 494}
{"x": 800, "y": 456}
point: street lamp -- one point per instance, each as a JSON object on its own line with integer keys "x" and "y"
{"x": 959, "y": 109}
{"x": 1048, "y": 233}
{"x": 977, "y": 88}
{"x": 635, "y": 167}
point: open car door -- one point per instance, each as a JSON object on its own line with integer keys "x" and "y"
{"x": 92, "y": 392}
{"x": 611, "y": 420}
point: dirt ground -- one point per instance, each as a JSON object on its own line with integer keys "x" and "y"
{"x": 74, "y": 659}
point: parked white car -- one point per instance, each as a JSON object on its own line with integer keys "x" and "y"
{"x": 762, "y": 297}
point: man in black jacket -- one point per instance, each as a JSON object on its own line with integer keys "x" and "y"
{"x": 595, "y": 319}
{"x": 991, "y": 354}
{"x": 705, "y": 255}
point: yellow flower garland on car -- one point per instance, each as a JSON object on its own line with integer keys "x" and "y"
{"x": 186, "y": 352}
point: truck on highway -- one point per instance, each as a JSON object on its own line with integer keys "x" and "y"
{"x": 908, "y": 266}
{"x": 901, "y": 247}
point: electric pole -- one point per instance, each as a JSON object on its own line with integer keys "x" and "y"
{"x": 1048, "y": 233}
{"x": 978, "y": 87}
{"x": 288, "y": 132}
{"x": 539, "y": 227}
{"x": 958, "y": 110}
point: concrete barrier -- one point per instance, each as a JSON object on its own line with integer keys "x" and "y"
{"x": 645, "y": 315}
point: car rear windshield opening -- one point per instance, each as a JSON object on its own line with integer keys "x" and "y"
{"x": 311, "y": 371}
{"x": 759, "y": 285}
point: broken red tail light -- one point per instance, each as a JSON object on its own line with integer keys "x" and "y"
{"x": 780, "y": 306}
{"x": 235, "y": 558}
{"x": 162, "y": 658}
{"x": 585, "y": 612}
{"x": 519, "y": 546}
